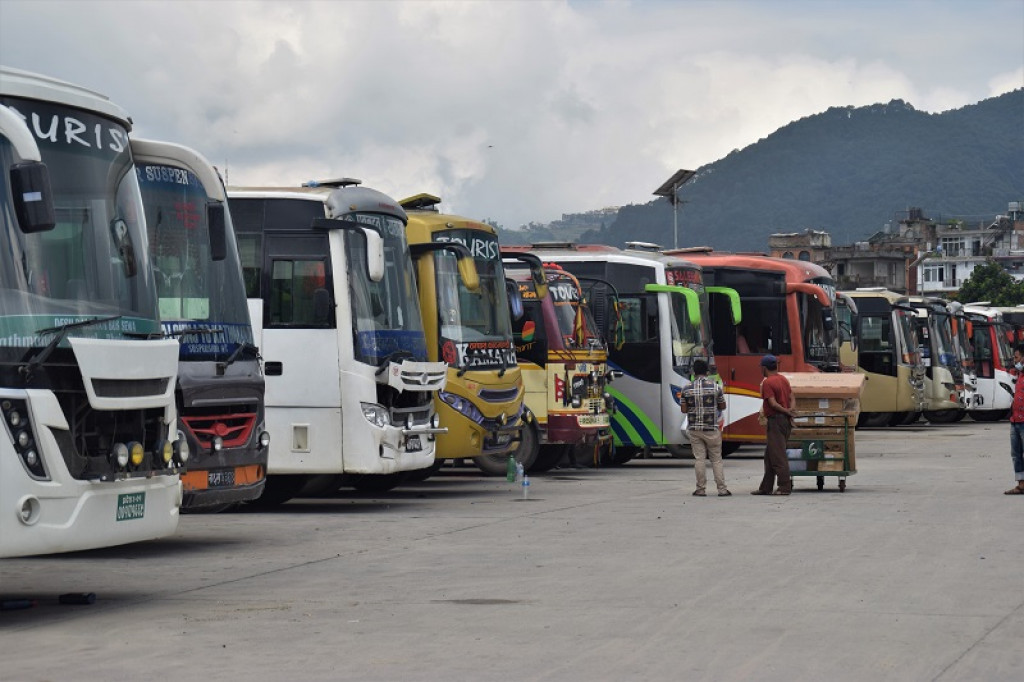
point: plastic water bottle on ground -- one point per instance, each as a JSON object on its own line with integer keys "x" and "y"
{"x": 526, "y": 487}
{"x": 511, "y": 467}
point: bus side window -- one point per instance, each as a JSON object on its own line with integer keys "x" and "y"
{"x": 297, "y": 292}
{"x": 250, "y": 253}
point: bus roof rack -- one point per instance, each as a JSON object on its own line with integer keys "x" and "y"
{"x": 421, "y": 202}
{"x": 872, "y": 289}
{"x": 691, "y": 249}
{"x": 553, "y": 245}
{"x": 643, "y": 246}
{"x": 333, "y": 182}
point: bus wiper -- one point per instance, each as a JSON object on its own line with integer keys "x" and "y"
{"x": 242, "y": 347}
{"x": 501, "y": 372}
{"x": 382, "y": 366}
{"x": 59, "y": 332}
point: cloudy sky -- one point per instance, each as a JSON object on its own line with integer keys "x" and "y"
{"x": 513, "y": 111}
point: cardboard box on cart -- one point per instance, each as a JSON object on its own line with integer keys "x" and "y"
{"x": 827, "y": 407}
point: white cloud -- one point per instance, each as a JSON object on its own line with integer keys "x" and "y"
{"x": 514, "y": 111}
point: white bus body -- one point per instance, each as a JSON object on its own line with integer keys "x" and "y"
{"x": 89, "y": 455}
{"x": 993, "y": 359}
{"x": 348, "y": 387}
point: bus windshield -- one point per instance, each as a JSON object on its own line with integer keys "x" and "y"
{"x": 94, "y": 263}
{"x": 575, "y": 322}
{"x": 1003, "y": 332}
{"x": 386, "y": 313}
{"x": 194, "y": 291}
{"x": 942, "y": 339}
{"x": 908, "y": 337}
{"x": 476, "y": 323}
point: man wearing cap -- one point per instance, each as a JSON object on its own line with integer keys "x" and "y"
{"x": 778, "y": 409}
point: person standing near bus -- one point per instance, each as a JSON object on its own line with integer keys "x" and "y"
{"x": 778, "y": 410}
{"x": 702, "y": 401}
{"x": 1017, "y": 423}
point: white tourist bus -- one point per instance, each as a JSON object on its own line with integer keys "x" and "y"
{"x": 89, "y": 453}
{"x": 349, "y": 389}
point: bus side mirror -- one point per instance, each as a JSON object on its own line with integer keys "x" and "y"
{"x": 827, "y": 320}
{"x": 217, "y": 226}
{"x": 515, "y": 300}
{"x": 33, "y": 198}
{"x": 374, "y": 255}
{"x": 321, "y": 307}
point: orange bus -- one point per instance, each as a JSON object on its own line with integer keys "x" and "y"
{"x": 788, "y": 309}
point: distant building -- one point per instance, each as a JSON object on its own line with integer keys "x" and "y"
{"x": 924, "y": 256}
{"x": 809, "y": 245}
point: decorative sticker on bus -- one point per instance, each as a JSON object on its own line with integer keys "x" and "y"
{"x": 377, "y": 345}
{"x": 685, "y": 278}
{"x": 480, "y": 248}
{"x": 23, "y": 331}
{"x": 471, "y": 354}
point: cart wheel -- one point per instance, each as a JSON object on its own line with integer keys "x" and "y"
{"x": 821, "y": 482}
{"x": 842, "y": 485}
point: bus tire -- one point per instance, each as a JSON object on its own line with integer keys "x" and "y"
{"x": 874, "y": 419}
{"x": 987, "y": 415}
{"x": 679, "y": 451}
{"x": 525, "y": 454}
{"x": 278, "y": 489}
{"x": 548, "y": 457}
{"x": 729, "y": 447}
{"x": 943, "y": 416}
{"x": 375, "y": 483}
{"x": 624, "y": 453}
{"x": 910, "y": 418}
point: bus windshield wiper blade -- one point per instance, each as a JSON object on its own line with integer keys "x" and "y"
{"x": 59, "y": 333}
{"x": 242, "y": 347}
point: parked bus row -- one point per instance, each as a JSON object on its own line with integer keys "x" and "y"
{"x": 170, "y": 344}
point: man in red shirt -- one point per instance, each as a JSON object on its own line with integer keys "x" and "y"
{"x": 778, "y": 409}
{"x": 1017, "y": 424}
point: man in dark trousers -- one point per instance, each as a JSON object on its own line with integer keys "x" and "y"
{"x": 1017, "y": 423}
{"x": 778, "y": 409}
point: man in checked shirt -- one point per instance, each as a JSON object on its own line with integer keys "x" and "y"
{"x": 702, "y": 401}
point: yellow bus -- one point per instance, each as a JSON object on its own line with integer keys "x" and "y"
{"x": 887, "y": 353}
{"x": 482, "y": 402}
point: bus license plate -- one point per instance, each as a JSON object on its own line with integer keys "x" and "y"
{"x": 131, "y": 506}
{"x": 412, "y": 444}
{"x": 220, "y": 479}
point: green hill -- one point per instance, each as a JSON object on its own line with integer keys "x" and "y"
{"x": 849, "y": 170}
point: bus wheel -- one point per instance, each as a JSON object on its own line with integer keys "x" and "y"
{"x": 729, "y": 447}
{"x": 943, "y": 416}
{"x": 874, "y": 419}
{"x": 375, "y": 483}
{"x": 624, "y": 453}
{"x": 278, "y": 489}
{"x": 987, "y": 415}
{"x": 426, "y": 472}
{"x": 910, "y": 418}
{"x": 679, "y": 451}
{"x": 525, "y": 454}
{"x": 548, "y": 457}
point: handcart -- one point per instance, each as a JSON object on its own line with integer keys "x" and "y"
{"x": 818, "y": 450}
{"x": 826, "y": 406}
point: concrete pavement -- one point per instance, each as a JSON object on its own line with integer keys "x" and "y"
{"x": 914, "y": 573}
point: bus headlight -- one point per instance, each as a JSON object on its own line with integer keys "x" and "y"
{"x": 119, "y": 454}
{"x": 136, "y": 453}
{"x": 577, "y": 401}
{"x": 376, "y": 414}
{"x": 264, "y": 439}
{"x": 23, "y": 439}
{"x": 218, "y": 443}
{"x": 166, "y": 452}
{"x": 181, "y": 449}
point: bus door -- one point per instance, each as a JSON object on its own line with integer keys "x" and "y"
{"x": 300, "y": 349}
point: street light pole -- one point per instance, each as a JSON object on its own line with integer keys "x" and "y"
{"x": 670, "y": 190}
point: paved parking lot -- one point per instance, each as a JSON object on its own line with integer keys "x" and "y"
{"x": 915, "y": 573}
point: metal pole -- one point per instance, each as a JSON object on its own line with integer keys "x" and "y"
{"x": 675, "y": 216}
